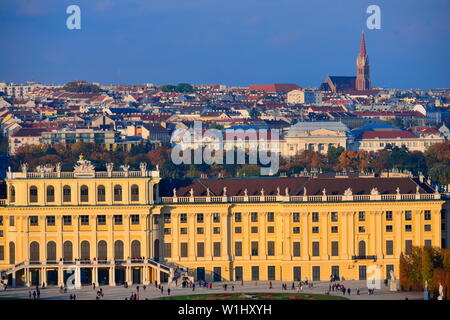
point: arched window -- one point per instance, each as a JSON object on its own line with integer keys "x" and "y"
{"x": 50, "y": 194}
{"x": 134, "y": 193}
{"x": 117, "y": 193}
{"x": 12, "y": 194}
{"x": 67, "y": 194}
{"x": 33, "y": 194}
{"x": 102, "y": 251}
{"x": 135, "y": 249}
{"x": 118, "y": 250}
{"x": 156, "y": 249}
{"x": 67, "y": 251}
{"x": 155, "y": 192}
{"x": 85, "y": 250}
{"x": 12, "y": 253}
{"x": 84, "y": 194}
{"x": 51, "y": 251}
{"x": 34, "y": 251}
{"x": 101, "y": 193}
{"x": 362, "y": 248}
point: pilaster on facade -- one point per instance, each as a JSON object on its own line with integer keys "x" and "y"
{"x": 305, "y": 246}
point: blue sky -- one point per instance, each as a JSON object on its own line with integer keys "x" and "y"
{"x": 233, "y": 42}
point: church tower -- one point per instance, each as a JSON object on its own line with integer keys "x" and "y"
{"x": 362, "y": 67}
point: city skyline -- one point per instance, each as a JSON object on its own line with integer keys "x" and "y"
{"x": 171, "y": 42}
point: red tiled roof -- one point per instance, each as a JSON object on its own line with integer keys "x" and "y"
{"x": 314, "y": 186}
{"x": 428, "y": 130}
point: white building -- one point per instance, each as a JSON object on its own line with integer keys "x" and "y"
{"x": 316, "y": 136}
{"x": 378, "y": 140}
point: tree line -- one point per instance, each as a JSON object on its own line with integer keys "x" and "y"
{"x": 434, "y": 162}
{"x": 429, "y": 264}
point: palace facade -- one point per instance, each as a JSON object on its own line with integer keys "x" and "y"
{"x": 111, "y": 227}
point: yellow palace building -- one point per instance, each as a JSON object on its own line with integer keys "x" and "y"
{"x": 111, "y": 227}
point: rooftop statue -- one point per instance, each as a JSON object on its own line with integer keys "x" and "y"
{"x": 84, "y": 166}
{"x": 348, "y": 192}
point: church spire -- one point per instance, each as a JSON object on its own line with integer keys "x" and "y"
{"x": 362, "y": 67}
{"x": 362, "y": 47}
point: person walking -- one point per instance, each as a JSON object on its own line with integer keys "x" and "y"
{"x": 168, "y": 291}
{"x": 270, "y": 285}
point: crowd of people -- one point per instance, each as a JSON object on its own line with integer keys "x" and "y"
{"x": 36, "y": 294}
{"x": 335, "y": 286}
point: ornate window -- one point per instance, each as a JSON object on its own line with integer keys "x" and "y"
{"x": 102, "y": 250}
{"x": 50, "y": 194}
{"x": 135, "y": 249}
{"x": 362, "y": 248}
{"x": 101, "y": 193}
{"x": 84, "y": 194}
{"x": 118, "y": 250}
{"x": 12, "y": 253}
{"x": 67, "y": 194}
{"x": 33, "y": 194}
{"x": 12, "y": 194}
{"x": 134, "y": 193}
{"x": 51, "y": 251}
{"x": 34, "y": 251}
{"x": 85, "y": 250}
{"x": 117, "y": 193}
{"x": 67, "y": 251}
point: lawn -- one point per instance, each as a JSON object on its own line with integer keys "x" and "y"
{"x": 253, "y": 296}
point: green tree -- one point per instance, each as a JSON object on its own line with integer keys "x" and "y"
{"x": 333, "y": 156}
{"x": 427, "y": 266}
{"x": 81, "y": 87}
{"x": 179, "y": 88}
